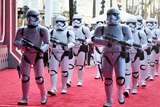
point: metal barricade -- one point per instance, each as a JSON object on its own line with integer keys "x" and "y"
{"x": 3, "y": 56}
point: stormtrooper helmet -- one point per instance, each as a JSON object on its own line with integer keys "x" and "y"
{"x": 113, "y": 16}
{"x": 99, "y": 23}
{"x": 33, "y": 17}
{"x": 155, "y": 23}
{"x": 61, "y": 23}
{"x": 150, "y": 23}
{"x": 77, "y": 20}
{"x": 139, "y": 21}
{"x": 132, "y": 23}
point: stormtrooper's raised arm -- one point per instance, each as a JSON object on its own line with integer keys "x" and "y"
{"x": 98, "y": 36}
{"x": 18, "y": 39}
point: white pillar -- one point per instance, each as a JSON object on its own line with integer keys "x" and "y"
{"x": 48, "y": 12}
{"x": 123, "y": 5}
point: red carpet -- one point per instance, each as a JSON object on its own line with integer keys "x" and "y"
{"x": 91, "y": 94}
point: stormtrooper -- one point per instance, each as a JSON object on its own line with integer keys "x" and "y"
{"x": 113, "y": 56}
{"x": 135, "y": 54}
{"x": 38, "y": 36}
{"x": 83, "y": 37}
{"x": 154, "y": 47}
{"x": 97, "y": 52}
{"x": 62, "y": 40}
{"x": 144, "y": 63}
{"x": 157, "y": 33}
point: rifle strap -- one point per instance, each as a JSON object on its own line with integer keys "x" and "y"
{"x": 155, "y": 33}
{"x": 123, "y": 31}
{"x": 51, "y": 32}
{"x": 22, "y": 32}
{"x": 68, "y": 35}
{"x": 84, "y": 32}
{"x": 139, "y": 35}
{"x": 145, "y": 32}
{"x": 102, "y": 30}
{"x": 41, "y": 33}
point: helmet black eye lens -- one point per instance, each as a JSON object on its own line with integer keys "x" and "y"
{"x": 114, "y": 14}
{"x": 77, "y": 19}
{"x": 60, "y": 21}
{"x": 99, "y": 22}
{"x": 34, "y": 16}
{"x": 139, "y": 21}
{"x": 134, "y": 23}
{"x": 150, "y": 22}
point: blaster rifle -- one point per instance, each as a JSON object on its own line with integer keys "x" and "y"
{"x": 122, "y": 42}
{"x": 100, "y": 71}
{"x": 137, "y": 45}
{"x": 115, "y": 39}
{"x": 58, "y": 42}
{"x": 81, "y": 40}
{"x": 99, "y": 41}
{"x": 30, "y": 44}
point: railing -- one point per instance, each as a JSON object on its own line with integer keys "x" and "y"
{"x": 3, "y": 56}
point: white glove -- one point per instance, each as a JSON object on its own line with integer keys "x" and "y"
{"x": 88, "y": 40}
{"x": 130, "y": 42}
{"x": 144, "y": 47}
{"x": 70, "y": 45}
{"x": 45, "y": 47}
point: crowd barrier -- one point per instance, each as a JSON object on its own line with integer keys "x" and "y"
{"x": 3, "y": 56}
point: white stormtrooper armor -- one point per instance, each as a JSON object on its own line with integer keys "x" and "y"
{"x": 150, "y": 23}
{"x": 136, "y": 54}
{"x": 80, "y": 50}
{"x": 148, "y": 34}
{"x": 157, "y": 33}
{"x": 139, "y": 22}
{"x": 39, "y": 36}
{"x": 97, "y": 52}
{"x": 61, "y": 23}
{"x": 113, "y": 56}
{"x": 143, "y": 62}
{"x": 33, "y": 18}
{"x": 77, "y": 21}
{"x": 60, "y": 54}
{"x": 99, "y": 23}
